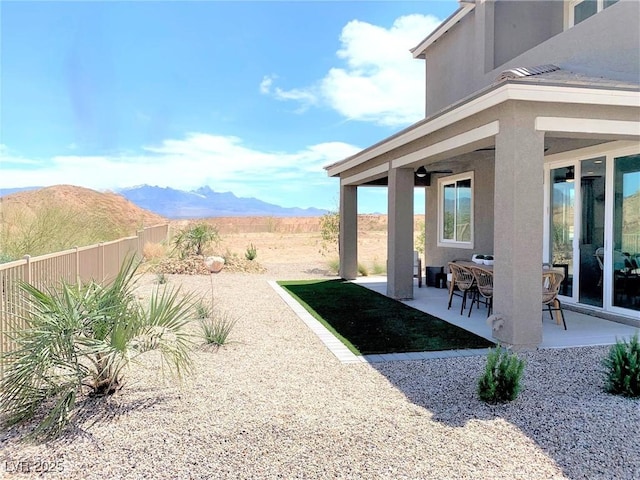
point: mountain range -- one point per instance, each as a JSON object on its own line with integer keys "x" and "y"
{"x": 201, "y": 203}
{"x": 204, "y": 202}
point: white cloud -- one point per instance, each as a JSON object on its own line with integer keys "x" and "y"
{"x": 222, "y": 162}
{"x": 381, "y": 82}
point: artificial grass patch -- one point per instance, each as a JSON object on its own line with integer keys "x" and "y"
{"x": 368, "y": 322}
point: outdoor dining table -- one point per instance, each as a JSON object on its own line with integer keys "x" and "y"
{"x": 489, "y": 268}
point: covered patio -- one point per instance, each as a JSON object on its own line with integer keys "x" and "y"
{"x": 582, "y": 330}
{"x": 494, "y": 146}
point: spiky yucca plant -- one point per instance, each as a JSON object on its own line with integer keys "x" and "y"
{"x": 80, "y": 338}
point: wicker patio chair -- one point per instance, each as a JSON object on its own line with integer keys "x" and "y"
{"x": 463, "y": 280}
{"x": 484, "y": 288}
{"x": 551, "y": 281}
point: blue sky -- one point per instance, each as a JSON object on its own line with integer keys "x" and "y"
{"x": 248, "y": 97}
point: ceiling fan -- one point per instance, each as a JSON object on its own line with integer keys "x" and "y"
{"x": 424, "y": 175}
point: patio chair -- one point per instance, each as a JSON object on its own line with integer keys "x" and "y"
{"x": 484, "y": 288}
{"x": 551, "y": 281}
{"x": 461, "y": 278}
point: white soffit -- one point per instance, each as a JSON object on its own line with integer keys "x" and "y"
{"x": 587, "y": 125}
{"x": 366, "y": 176}
{"x": 457, "y": 141}
{"x": 509, "y": 91}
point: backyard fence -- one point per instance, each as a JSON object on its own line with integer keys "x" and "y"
{"x": 100, "y": 262}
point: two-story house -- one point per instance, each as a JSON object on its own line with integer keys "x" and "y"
{"x": 534, "y": 109}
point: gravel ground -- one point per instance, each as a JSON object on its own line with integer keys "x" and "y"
{"x": 276, "y": 403}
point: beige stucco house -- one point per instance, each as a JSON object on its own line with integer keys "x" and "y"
{"x": 534, "y": 108}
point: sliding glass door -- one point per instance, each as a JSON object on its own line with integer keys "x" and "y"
{"x": 625, "y": 268}
{"x": 593, "y": 228}
{"x": 591, "y": 245}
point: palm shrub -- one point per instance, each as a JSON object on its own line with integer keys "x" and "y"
{"x": 501, "y": 379}
{"x": 623, "y": 368}
{"x": 79, "y": 339}
{"x": 193, "y": 239}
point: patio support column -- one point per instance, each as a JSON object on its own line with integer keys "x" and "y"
{"x": 518, "y": 231}
{"x": 400, "y": 234}
{"x": 348, "y": 239}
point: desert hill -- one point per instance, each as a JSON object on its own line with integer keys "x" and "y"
{"x": 85, "y": 202}
{"x": 63, "y": 216}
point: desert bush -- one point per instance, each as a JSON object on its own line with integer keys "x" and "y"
{"x": 419, "y": 240}
{"x": 5, "y": 257}
{"x": 378, "y": 268}
{"x": 161, "y": 279}
{"x": 330, "y": 232}
{"x": 501, "y": 379}
{"x": 251, "y": 252}
{"x": 153, "y": 251}
{"x": 193, "y": 239}
{"x": 362, "y": 269}
{"x": 622, "y": 374}
{"x": 79, "y": 339}
{"x": 52, "y": 229}
{"x": 334, "y": 265}
{"x": 216, "y": 329}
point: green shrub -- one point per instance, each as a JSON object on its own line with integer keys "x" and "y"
{"x": 81, "y": 338}
{"x": 330, "y": 232}
{"x": 501, "y": 379}
{"x": 193, "y": 239}
{"x": 161, "y": 279}
{"x": 378, "y": 268}
{"x": 334, "y": 265}
{"x": 623, "y": 368}
{"x": 251, "y": 252}
{"x": 215, "y": 331}
{"x": 362, "y": 270}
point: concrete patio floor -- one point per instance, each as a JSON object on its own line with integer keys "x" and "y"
{"x": 582, "y": 330}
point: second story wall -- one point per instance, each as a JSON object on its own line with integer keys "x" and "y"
{"x": 520, "y": 26}
{"x": 497, "y": 36}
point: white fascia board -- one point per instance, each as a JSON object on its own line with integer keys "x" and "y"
{"x": 587, "y": 125}
{"x": 367, "y": 175}
{"x": 443, "y": 28}
{"x": 457, "y": 141}
{"x": 562, "y": 94}
{"x": 495, "y": 96}
{"x": 492, "y": 98}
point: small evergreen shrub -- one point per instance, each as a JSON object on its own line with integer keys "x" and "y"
{"x": 251, "y": 252}
{"x": 623, "y": 368}
{"x": 501, "y": 379}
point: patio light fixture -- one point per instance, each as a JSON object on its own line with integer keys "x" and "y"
{"x": 421, "y": 172}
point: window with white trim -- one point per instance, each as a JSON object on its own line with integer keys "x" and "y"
{"x": 455, "y": 211}
{"x": 580, "y": 10}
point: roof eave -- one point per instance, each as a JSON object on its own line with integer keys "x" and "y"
{"x": 486, "y": 98}
{"x": 455, "y": 17}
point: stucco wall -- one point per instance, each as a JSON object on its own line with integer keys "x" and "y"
{"x": 520, "y": 26}
{"x": 502, "y": 36}
{"x": 483, "y": 189}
